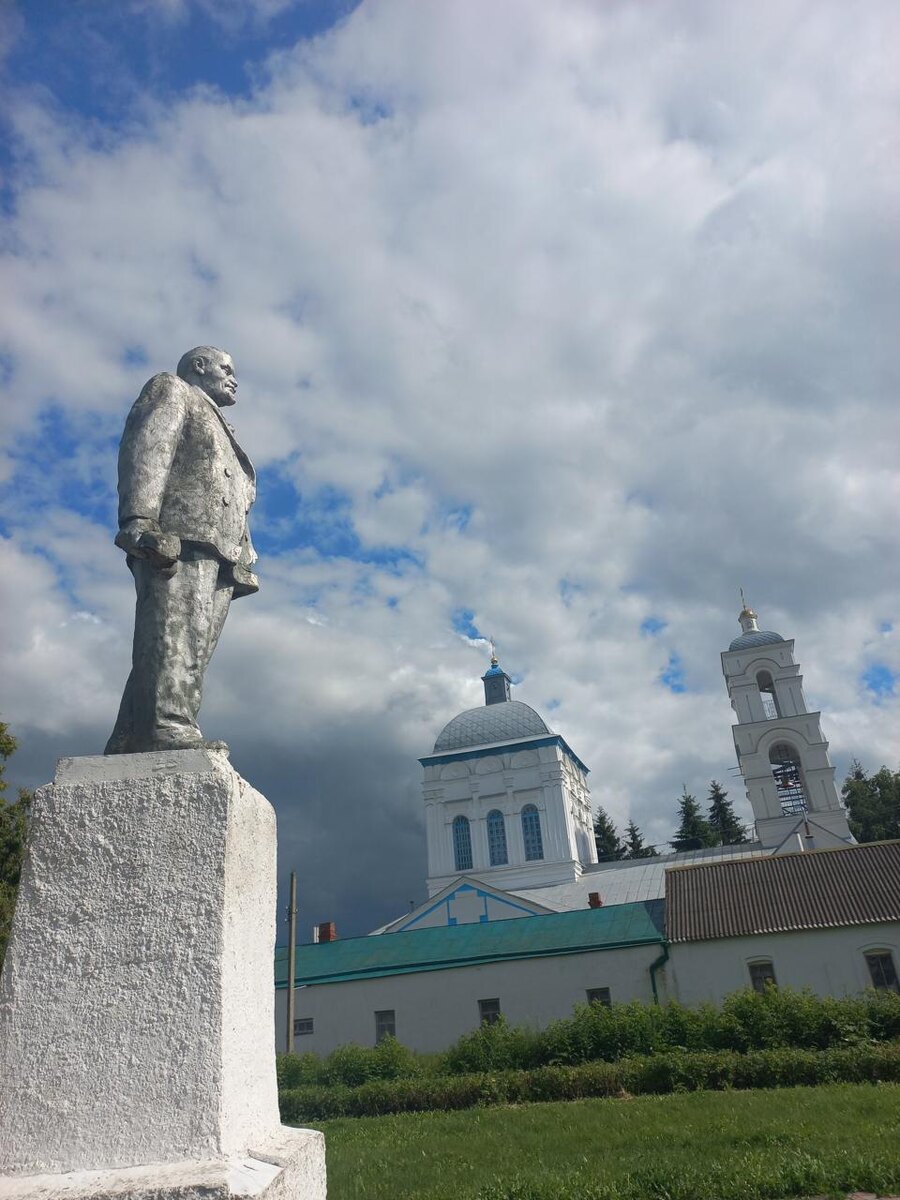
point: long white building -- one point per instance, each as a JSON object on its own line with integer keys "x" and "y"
{"x": 521, "y": 919}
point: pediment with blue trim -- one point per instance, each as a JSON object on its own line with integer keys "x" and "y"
{"x": 466, "y": 901}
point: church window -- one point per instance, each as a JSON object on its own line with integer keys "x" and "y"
{"x": 762, "y": 975}
{"x": 599, "y": 996}
{"x": 489, "y": 1011}
{"x": 303, "y": 1025}
{"x": 496, "y": 831}
{"x": 462, "y": 844}
{"x": 385, "y": 1025}
{"x": 882, "y": 970}
{"x": 531, "y": 833}
{"x": 788, "y": 779}
{"x": 766, "y": 686}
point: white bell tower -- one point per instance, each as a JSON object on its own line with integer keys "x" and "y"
{"x": 781, "y": 752}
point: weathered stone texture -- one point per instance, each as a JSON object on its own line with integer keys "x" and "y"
{"x": 136, "y": 1003}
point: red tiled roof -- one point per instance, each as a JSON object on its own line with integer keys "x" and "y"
{"x": 817, "y": 889}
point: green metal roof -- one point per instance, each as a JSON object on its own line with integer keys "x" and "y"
{"x": 444, "y": 947}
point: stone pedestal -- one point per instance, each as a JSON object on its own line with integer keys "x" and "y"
{"x": 137, "y": 1000}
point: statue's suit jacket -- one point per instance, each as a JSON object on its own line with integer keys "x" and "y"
{"x": 182, "y": 471}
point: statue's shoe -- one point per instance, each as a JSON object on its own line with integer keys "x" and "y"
{"x": 124, "y": 746}
{"x": 199, "y": 744}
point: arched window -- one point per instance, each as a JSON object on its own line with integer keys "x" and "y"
{"x": 462, "y": 844}
{"x": 766, "y": 686}
{"x": 496, "y": 831}
{"x": 788, "y": 779}
{"x": 531, "y": 833}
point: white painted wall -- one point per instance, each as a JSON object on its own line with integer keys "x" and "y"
{"x": 434, "y": 1008}
{"x": 829, "y": 961}
{"x": 546, "y": 777}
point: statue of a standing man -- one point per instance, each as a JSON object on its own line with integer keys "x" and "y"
{"x": 185, "y": 489}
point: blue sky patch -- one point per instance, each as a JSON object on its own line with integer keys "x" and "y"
{"x": 652, "y": 626}
{"x": 464, "y": 623}
{"x": 879, "y": 680}
{"x": 286, "y": 520}
{"x": 672, "y": 675}
{"x": 123, "y": 54}
{"x": 67, "y": 463}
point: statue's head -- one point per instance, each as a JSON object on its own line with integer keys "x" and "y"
{"x": 212, "y": 371}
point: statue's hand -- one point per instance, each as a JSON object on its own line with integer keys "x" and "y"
{"x": 160, "y": 549}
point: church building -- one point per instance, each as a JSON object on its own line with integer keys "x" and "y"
{"x": 521, "y": 919}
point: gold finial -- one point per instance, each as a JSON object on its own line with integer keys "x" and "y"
{"x": 495, "y": 661}
{"x": 745, "y": 607}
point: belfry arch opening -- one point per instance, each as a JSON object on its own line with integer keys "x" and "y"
{"x": 788, "y": 774}
{"x": 766, "y": 685}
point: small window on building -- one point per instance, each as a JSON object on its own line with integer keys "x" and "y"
{"x": 462, "y": 844}
{"x": 788, "y": 779}
{"x": 762, "y": 975}
{"x": 766, "y": 687}
{"x": 385, "y": 1025}
{"x": 599, "y": 996}
{"x": 303, "y": 1025}
{"x": 489, "y": 1011}
{"x": 496, "y": 831}
{"x": 531, "y": 833}
{"x": 883, "y": 970}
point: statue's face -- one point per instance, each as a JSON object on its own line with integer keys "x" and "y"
{"x": 216, "y": 377}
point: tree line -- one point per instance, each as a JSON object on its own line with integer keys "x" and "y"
{"x": 13, "y": 825}
{"x": 718, "y": 826}
{"x": 872, "y": 803}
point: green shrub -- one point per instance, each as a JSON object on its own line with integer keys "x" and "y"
{"x": 676, "y": 1071}
{"x": 745, "y": 1024}
{"x": 495, "y": 1047}
{"x": 309, "y": 1103}
{"x": 392, "y": 1060}
{"x": 297, "y": 1070}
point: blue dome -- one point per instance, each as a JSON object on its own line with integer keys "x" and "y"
{"x": 759, "y": 637}
{"x": 503, "y": 722}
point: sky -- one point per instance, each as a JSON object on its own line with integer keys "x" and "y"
{"x": 554, "y": 323}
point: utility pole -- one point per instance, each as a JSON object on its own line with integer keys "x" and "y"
{"x": 292, "y": 960}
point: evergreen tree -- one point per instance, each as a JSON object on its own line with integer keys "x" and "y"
{"x": 722, "y": 818}
{"x": 609, "y": 846}
{"x": 634, "y": 843}
{"x": 694, "y": 830}
{"x": 13, "y": 820}
{"x": 873, "y": 803}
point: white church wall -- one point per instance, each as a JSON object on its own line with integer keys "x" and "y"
{"x": 508, "y": 782}
{"x": 829, "y": 961}
{"x": 434, "y": 1008}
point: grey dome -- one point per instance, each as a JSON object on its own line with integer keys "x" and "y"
{"x": 491, "y": 723}
{"x": 758, "y": 637}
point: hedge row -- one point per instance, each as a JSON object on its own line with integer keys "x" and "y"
{"x": 744, "y": 1021}
{"x": 677, "y": 1071}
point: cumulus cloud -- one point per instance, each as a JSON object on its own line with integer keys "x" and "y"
{"x": 566, "y": 317}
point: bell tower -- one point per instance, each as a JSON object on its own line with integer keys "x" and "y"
{"x": 781, "y": 752}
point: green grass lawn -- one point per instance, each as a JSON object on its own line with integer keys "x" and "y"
{"x": 698, "y": 1146}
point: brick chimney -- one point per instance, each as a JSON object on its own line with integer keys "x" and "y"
{"x": 326, "y": 931}
{"x": 594, "y": 900}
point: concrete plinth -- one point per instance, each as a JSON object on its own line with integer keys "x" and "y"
{"x": 137, "y": 1001}
{"x": 293, "y": 1167}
